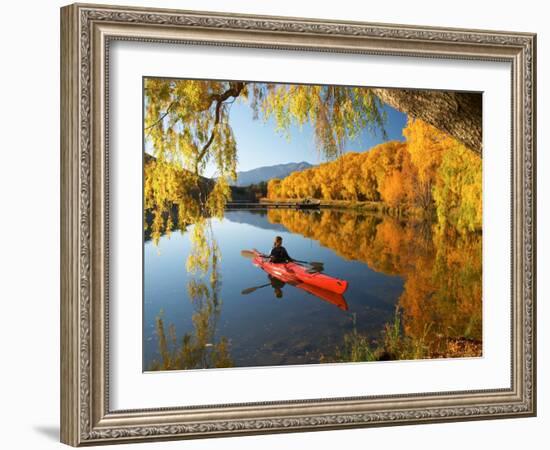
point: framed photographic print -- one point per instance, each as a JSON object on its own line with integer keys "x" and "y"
{"x": 276, "y": 224}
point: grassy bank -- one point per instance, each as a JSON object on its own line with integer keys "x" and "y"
{"x": 393, "y": 345}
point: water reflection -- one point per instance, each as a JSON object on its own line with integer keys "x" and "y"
{"x": 278, "y": 284}
{"x": 199, "y": 349}
{"x": 415, "y": 292}
{"x": 441, "y": 302}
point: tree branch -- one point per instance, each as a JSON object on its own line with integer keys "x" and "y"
{"x": 233, "y": 91}
{"x": 161, "y": 118}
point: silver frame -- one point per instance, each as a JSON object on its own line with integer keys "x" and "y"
{"x": 86, "y": 33}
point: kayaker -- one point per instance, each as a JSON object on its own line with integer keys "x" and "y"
{"x": 278, "y": 253}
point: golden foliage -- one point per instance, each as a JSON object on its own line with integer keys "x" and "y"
{"x": 429, "y": 172}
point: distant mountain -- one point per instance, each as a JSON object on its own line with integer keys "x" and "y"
{"x": 266, "y": 173}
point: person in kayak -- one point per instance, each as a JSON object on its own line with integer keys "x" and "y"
{"x": 278, "y": 254}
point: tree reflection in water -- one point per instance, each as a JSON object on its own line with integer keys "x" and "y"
{"x": 439, "y": 312}
{"x": 200, "y": 349}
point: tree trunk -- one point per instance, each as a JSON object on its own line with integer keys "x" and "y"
{"x": 455, "y": 113}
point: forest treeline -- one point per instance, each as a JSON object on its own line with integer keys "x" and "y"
{"x": 429, "y": 173}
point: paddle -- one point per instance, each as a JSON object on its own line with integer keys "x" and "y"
{"x": 316, "y": 265}
{"x": 248, "y": 254}
{"x": 252, "y": 289}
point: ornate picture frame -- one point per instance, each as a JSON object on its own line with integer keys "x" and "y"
{"x": 87, "y": 32}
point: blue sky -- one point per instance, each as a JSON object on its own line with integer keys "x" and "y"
{"x": 258, "y": 144}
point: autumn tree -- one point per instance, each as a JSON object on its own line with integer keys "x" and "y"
{"x": 393, "y": 190}
{"x": 426, "y": 146}
{"x": 352, "y": 177}
{"x": 458, "y": 191}
{"x": 273, "y": 189}
{"x": 449, "y": 176}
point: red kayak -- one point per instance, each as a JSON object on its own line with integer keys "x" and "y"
{"x": 293, "y": 272}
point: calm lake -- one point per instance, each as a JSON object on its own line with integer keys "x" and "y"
{"x": 386, "y": 262}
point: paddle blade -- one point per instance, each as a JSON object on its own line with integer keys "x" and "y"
{"x": 252, "y": 289}
{"x": 317, "y": 267}
{"x": 248, "y": 254}
{"x": 248, "y": 291}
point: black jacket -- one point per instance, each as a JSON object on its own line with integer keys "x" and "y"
{"x": 280, "y": 255}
